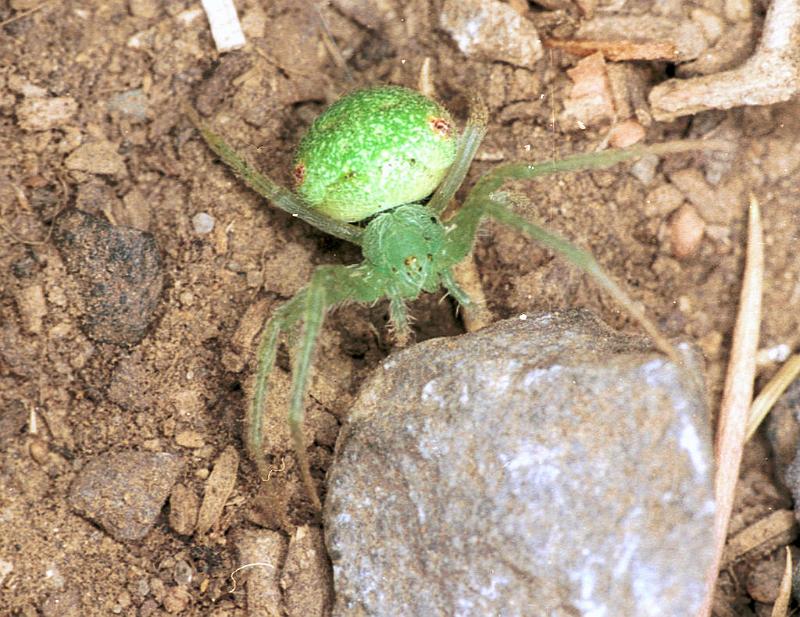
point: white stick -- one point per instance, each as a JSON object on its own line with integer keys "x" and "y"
{"x": 225, "y": 26}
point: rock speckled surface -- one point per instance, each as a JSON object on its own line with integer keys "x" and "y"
{"x": 119, "y": 273}
{"x": 123, "y": 492}
{"x": 547, "y": 466}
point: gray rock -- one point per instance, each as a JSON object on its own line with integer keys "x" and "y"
{"x": 119, "y": 272}
{"x": 491, "y": 31}
{"x": 547, "y": 466}
{"x": 123, "y": 492}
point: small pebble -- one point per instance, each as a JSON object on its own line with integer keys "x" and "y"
{"x": 123, "y": 492}
{"x": 42, "y": 114}
{"x": 765, "y": 579}
{"x": 38, "y": 450}
{"x": 261, "y": 553}
{"x": 218, "y": 488}
{"x": 625, "y": 134}
{"x": 99, "y": 157}
{"x": 132, "y": 103}
{"x": 686, "y": 229}
{"x": 189, "y": 439}
{"x": 32, "y": 307}
{"x": 183, "y": 507}
{"x": 203, "y": 223}
{"x": 491, "y": 30}
{"x": 306, "y": 578}
{"x": 65, "y": 603}
{"x": 662, "y": 200}
{"x": 119, "y": 274}
{"x": 644, "y": 170}
{"x": 176, "y": 599}
{"x": 6, "y": 568}
{"x": 183, "y": 573}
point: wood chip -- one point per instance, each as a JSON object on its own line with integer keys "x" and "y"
{"x": 773, "y": 531}
{"x": 615, "y": 50}
{"x": 219, "y": 487}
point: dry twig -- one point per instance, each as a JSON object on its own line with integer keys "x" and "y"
{"x": 738, "y": 394}
{"x": 770, "y": 75}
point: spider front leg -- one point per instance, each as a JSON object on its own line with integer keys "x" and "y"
{"x": 464, "y": 225}
{"x": 330, "y": 285}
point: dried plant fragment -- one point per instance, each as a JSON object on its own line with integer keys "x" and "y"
{"x": 771, "y": 75}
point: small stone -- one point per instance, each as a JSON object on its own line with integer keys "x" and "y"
{"x": 261, "y": 553}
{"x": 189, "y": 439}
{"x": 182, "y": 573}
{"x": 590, "y": 99}
{"x": 123, "y": 492}
{"x": 6, "y": 568}
{"x": 714, "y": 205}
{"x": 219, "y": 487}
{"x": 146, "y": 9}
{"x": 65, "y": 603}
{"x": 183, "y": 508}
{"x": 644, "y": 170}
{"x": 548, "y": 462}
{"x": 662, "y": 200}
{"x": 203, "y": 223}
{"x": 764, "y": 580}
{"x": 686, "y": 229}
{"x": 306, "y": 578}
{"x": 176, "y": 599}
{"x": 625, "y": 134}
{"x": 43, "y": 114}
{"x": 38, "y": 450}
{"x": 119, "y": 274}
{"x": 99, "y": 157}
{"x": 13, "y": 419}
{"x": 492, "y": 31}
{"x": 32, "y": 307}
{"x": 131, "y": 103}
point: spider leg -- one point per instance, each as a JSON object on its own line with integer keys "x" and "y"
{"x": 401, "y": 326}
{"x": 329, "y": 286}
{"x": 461, "y": 233}
{"x": 453, "y": 288}
{"x": 283, "y": 319}
{"x": 267, "y": 188}
{"x": 468, "y": 144}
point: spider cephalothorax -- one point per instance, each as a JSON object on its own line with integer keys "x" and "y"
{"x": 404, "y": 245}
{"x": 370, "y": 155}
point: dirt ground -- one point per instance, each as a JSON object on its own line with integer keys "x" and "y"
{"x": 68, "y": 395}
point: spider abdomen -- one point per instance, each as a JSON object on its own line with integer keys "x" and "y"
{"x": 404, "y": 245}
{"x": 372, "y": 150}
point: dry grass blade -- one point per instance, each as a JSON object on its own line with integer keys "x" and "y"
{"x": 738, "y": 393}
{"x": 781, "y": 606}
{"x": 770, "y": 394}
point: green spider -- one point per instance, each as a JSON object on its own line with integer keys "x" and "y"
{"x": 374, "y": 156}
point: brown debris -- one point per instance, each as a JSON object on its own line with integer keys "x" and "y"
{"x": 771, "y": 532}
{"x": 771, "y": 75}
{"x": 183, "y": 506}
{"x": 614, "y": 50}
{"x": 219, "y": 487}
{"x": 655, "y": 38}
{"x": 590, "y": 100}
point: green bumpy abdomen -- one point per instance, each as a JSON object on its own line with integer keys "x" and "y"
{"x": 372, "y": 150}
